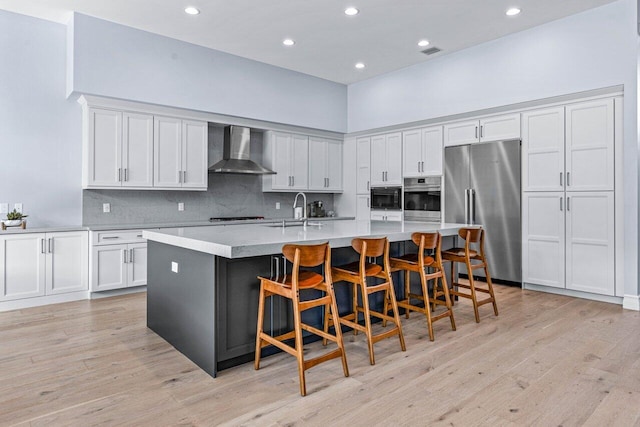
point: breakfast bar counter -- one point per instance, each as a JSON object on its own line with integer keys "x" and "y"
{"x": 202, "y": 290}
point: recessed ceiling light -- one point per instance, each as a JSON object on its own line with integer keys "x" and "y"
{"x": 288, "y": 42}
{"x": 191, "y": 10}
{"x": 423, "y": 43}
{"x": 513, "y": 11}
{"x": 351, "y": 11}
{"x": 359, "y": 65}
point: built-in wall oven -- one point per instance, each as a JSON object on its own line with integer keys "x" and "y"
{"x": 422, "y": 199}
{"x": 386, "y": 198}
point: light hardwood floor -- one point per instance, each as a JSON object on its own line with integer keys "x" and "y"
{"x": 546, "y": 360}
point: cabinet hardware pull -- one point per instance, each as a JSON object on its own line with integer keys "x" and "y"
{"x": 561, "y": 204}
{"x": 119, "y": 174}
{"x": 138, "y": 235}
{"x": 50, "y": 244}
{"x": 368, "y": 188}
{"x": 368, "y": 201}
{"x": 568, "y": 179}
{"x": 481, "y": 131}
{"x": 110, "y": 237}
{"x": 42, "y": 251}
{"x": 293, "y": 181}
{"x": 476, "y": 131}
{"x": 419, "y": 167}
{"x": 124, "y": 254}
{"x": 422, "y": 166}
{"x": 131, "y": 255}
{"x": 383, "y": 176}
{"x": 568, "y": 203}
{"x": 126, "y": 174}
{"x": 560, "y": 179}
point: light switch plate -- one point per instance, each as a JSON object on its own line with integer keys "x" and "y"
{"x": 277, "y": 205}
{"x": 174, "y": 266}
{"x": 18, "y": 207}
{"x": 4, "y": 208}
{"x": 180, "y": 207}
{"x": 106, "y": 207}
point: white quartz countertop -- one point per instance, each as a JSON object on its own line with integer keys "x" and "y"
{"x": 247, "y": 240}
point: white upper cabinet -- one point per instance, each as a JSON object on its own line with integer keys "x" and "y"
{"x": 287, "y": 155}
{"x": 422, "y": 152}
{"x": 494, "y": 128}
{"x": 363, "y": 160}
{"x": 589, "y": 146}
{"x": 386, "y": 160}
{"x": 543, "y": 150}
{"x": 569, "y": 148}
{"x": 137, "y": 150}
{"x": 194, "y": 154}
{"x": 102, "y": 159}
{"x": 325, "y": 165}
{"x": 180, "y": 153}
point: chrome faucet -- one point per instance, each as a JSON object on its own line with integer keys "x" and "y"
{"x": 304, "y": 206}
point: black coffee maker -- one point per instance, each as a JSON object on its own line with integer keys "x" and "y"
{"x": 316, "y": 209}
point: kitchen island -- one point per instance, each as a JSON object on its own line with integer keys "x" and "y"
{"x": 202, "y": 291}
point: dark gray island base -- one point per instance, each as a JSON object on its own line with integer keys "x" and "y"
{"x": 208, "y": 309}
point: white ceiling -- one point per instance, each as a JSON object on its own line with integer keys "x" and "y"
{"x": 383, "y": 35}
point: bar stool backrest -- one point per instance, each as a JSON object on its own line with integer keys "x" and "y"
{"x": 372, "y": 247}
{"x": 308, "y": 256}
{"x": 428, "y": 241}
{"x": 473, "y": 235}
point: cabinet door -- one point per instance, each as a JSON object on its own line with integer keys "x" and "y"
{"x": 432, "y": 151}
{"x": 22, "y": 266}
{"x": 137, "y": 150}
{"x": 194, "y": 154}
{"x": 590, "y": 242}
{"x": 137, "y": 264}
{"x": 589, "y": 145}
{"x": 104, "y": 149}
{"x": 393, "y": 216}
{"x": 67, "y": 262}
{"x": 281, "y": 160}
{"x": 378, "y": 215}
{"x": 334, "y": 165}
{"x": 167, "y": 152}
{"x": 378, "y": 160}
{"x": 394, "y": 159}
{"x": 109, "y": 269}
{"x": 500, "y": 128}
{"x": 543, "y": 239}
{"x": 543, "y": 150}
{"x": 412, "y": 153}
{"x": 300, "y": 162}
{"x": 461, "y": 133}
{"x": 363, "y": 155}
{"x": 318, "y": 164}
{"x": 363, "y": 210}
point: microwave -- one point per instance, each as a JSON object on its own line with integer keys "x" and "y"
{"x": 388, "y": 198}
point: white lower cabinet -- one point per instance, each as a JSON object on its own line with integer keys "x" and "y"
{"x": 39, "y": 264}
{"x": 386, "y": 216}
{"x": 568, "y": 240}
{"x": 118, "y": 260}
{"x": 363, "y": 207}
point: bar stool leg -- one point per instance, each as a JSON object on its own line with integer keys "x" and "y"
{"x": 490, "y": 286}
{"x": 337, "y": 326}
{"x": 396, "y": 315}
{"x": 355, "y": 307}
{"x": 407, "y": 291}
{"x": 367, "y": 322}
{"x": 472, "y": 288}
{"x": 299, "y": 346}
{"x": 256, "y": 362}
{"x": 427, "y": 309}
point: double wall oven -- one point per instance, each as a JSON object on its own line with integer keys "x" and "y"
{"x": 422, "y": 199}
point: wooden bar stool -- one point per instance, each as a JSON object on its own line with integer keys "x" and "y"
{"x": 466, "y": 255}
{"x": 419, "y": 263}
{"x": 357, "y": 274}
{"x": 289, "y": 286}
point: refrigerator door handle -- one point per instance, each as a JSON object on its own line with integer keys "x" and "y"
{"x": 472, "y": 206}
{"x": 466, "y": 206}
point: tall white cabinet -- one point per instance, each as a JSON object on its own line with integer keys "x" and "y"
{"x": 568, "y": 197}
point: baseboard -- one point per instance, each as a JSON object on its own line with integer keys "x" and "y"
{"x": 43, "y": 300}
{"x": 631, "y": 302}
{"x": 117, "y": 292}
{"x": 572, "y": 293}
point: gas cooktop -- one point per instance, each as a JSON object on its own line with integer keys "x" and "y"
{"x": 235, "y": 218}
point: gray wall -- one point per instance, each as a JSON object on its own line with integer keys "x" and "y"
{"x": 40, "y": 130}
{"x": 122, "y": 62}
{"x": 594, "y": 49}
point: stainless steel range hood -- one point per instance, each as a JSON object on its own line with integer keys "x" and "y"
{"x": 236, "y": 153}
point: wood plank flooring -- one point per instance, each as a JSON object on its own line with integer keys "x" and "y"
{"x": 546, "y": 360}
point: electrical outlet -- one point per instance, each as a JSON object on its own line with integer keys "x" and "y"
{"x": 4, "y": 208}
{"x": 277, "y": 205}
{"x": 180, "y": 207}
{"x": 18, "y": 207}
{"x": 174, "y": 266}
{"x": 106, "y": 207}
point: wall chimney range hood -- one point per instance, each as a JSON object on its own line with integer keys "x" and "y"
{"x": 236, "y": 153}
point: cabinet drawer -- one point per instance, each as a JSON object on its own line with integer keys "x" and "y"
{"x": 112, "y": 237}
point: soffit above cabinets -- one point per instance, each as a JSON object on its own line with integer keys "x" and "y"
{"x": 384, "y": 35}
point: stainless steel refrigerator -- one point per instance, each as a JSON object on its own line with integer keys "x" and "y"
{"x": 482, "y": 186}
